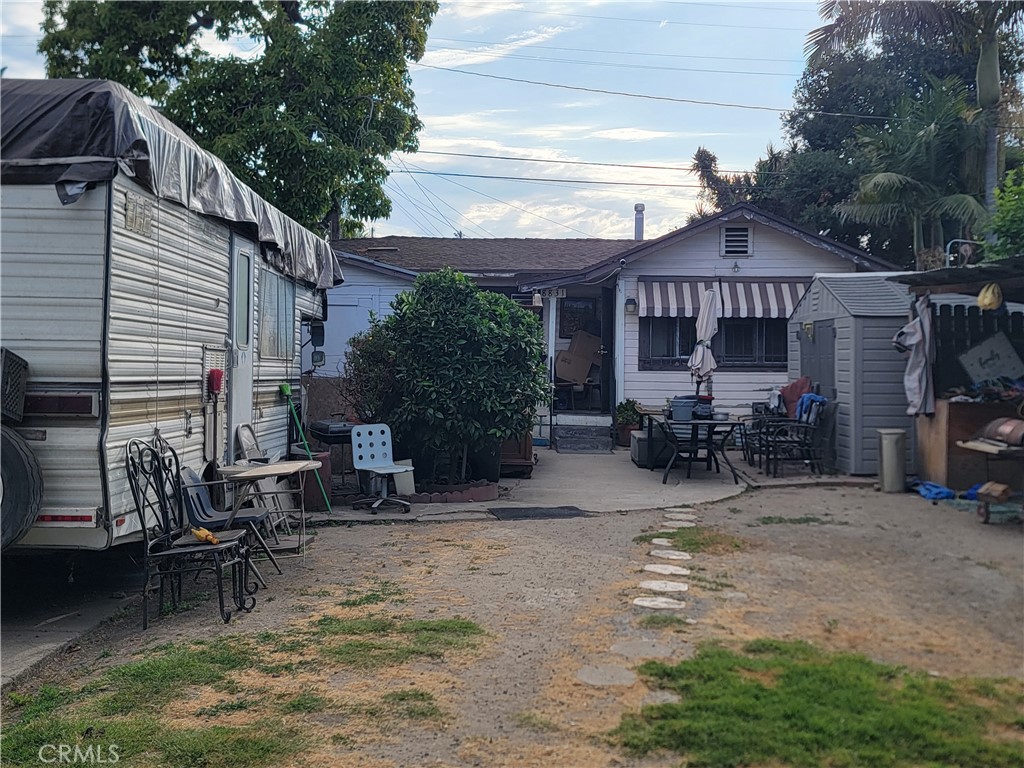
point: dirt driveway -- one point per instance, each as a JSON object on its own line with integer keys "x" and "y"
{"x": 893, "y": 577}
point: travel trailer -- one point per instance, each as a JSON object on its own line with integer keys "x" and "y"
{"x": 146, "y": 291}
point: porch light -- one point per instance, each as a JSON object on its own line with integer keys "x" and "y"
{"x": 538, "y": 300}
{"x": 631, "y": 306}
{"x": 735, "y": 266}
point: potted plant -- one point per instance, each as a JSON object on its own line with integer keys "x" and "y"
{"x": 626, "y": 420}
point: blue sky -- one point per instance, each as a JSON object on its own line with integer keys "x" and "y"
{"x": 745, "y": 53}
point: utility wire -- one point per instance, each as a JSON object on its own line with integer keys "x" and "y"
{"x": 619, "y": 65}
{"x": 655, "y": 98}
{"x": 584, "y": 162}
{"x": 659, "y": 22}
{"x": 423, "y": 192}
{"x": 556, "y": 181}
{"x": 512, "y": 205}
{"x": 614, "y": 53}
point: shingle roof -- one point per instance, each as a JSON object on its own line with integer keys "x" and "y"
{"x": 868, "y": 295}
{"x": 490, "y": 255}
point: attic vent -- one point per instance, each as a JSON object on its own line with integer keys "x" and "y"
{"x": 382, "y": 248}
{"x": 737, "y": 241}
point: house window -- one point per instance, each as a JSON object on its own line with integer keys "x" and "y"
{"x": 277, "y": 316}
{"x": 737, "y": 241}
{"x": 743, "y": 343}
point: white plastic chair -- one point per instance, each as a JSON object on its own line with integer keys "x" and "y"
{"x": 372, "y": 452}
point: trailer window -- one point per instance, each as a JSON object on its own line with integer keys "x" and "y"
{"x": 241, "y": 301}
{"x": 277, "y": 316}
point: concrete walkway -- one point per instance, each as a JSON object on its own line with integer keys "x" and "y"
{"x": 30, "y": 632}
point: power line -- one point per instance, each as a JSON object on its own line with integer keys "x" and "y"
{"x": 655, "y": 98}
{"x": 618, "y": 53}
{"x": 511, "y": 205}
{"x": 550, "y": 181}
{"x": 584, "y": 162}
{"x": 619, "y": 65}
{"x": 659, "y": 22}
{"x": 420, "y": 188}
{"x": 426, "y": 192}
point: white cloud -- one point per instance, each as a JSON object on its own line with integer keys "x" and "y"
{"x": 630, "y": 134}
{"x": 486, "y": 54}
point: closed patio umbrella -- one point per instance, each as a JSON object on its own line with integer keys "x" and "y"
{"x": 702, "y": 361}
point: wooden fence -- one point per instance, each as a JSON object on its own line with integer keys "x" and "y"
{"x": 957, "y": 329}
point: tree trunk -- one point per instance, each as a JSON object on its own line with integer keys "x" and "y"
{"x": 989, "y": 94}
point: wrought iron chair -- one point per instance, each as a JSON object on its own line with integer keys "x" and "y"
{"x": 170, "y": 550}
{"x": 371, "y": 452}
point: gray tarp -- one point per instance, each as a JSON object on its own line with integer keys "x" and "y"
{"x": 73, "y": 132}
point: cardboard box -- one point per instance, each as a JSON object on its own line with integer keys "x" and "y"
{"x": 586, "y": 345}
{"x": 571, "y": 367}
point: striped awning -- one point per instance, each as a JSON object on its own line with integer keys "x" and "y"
{"x": 737, "y": 298}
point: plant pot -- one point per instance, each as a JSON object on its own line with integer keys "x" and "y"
{"x": 485, "y": 462}
{"x": 622, "y": 434}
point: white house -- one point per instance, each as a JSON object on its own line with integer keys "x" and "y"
{"x": 639, "y": 297}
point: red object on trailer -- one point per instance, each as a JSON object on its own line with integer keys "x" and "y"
{"x": 215, "y": 380}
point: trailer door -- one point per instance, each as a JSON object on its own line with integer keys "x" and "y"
{"x": 240, "y": 341}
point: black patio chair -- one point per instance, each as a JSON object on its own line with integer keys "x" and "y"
{"x": 801, "y": 441}
{"x": 170, "y": 550}
{"x": 203, "y": 514}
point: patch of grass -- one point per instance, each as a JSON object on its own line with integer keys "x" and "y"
{"x": 394, "y": 641}
{"x": 662, "y": 621}
{"x": 412, "y": 704}
{"x": 696, "y": 539}
{"x": 146, "y": 685}
{"x": 803, "y": 707}
{"x": 223, "y": 707}
{"x": 190, "y": 602}
{"x": 46, "y": 700}
{"x": 315, "y": 593}
{"x": 382, "y": 592}
{"x": 264, "y": 743}
{"x": 307, "y": 701}
{"x": 22, "y": 740}
{"x": 535, "y": 722}
{"x": 341, "y": 740}
{"x": 710, "y": 583}
{"x": 801, "y": 520}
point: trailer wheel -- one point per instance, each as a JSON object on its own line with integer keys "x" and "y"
{"x": 21, "y": 487}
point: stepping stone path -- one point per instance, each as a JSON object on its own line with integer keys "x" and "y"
{"x": 641, "y": 649}
{"x": 684, "y": 517}
{"x": 666, "y": 603}
{"x": 667, "y": 570}
{"x": 656, "y": 585}
{"x": 662, "y": 542}
{"x": 605, "y": 675}
{"x": 675, "y": 524}
{"x": 670, "y": 554}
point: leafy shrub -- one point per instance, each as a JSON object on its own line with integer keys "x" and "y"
{"x": 454, "y": 369}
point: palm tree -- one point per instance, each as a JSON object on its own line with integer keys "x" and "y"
{"x": 925, "y": 169}
{"x": 977, "y": 24}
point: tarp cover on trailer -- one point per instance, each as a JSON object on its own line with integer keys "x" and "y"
{"x": 73, "y": 132}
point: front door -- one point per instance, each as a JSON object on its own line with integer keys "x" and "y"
{"x": 240, "y": 340}
{"x": 607, "y": 349}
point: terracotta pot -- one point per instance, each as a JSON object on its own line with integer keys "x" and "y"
{"x": 622, "y": 434}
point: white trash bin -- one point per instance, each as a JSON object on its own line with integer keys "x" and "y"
{"x": 892, "y": 460}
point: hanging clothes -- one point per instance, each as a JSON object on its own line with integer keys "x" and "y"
{"x": 916, "y": 339}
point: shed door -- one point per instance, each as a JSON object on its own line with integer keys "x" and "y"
{"x": 241, "y": 347}
{"x": 818, "y": 357}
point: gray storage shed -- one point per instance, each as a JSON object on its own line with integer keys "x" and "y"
{"x": 840, "y": 335}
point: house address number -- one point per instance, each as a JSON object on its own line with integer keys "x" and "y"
{"x": 552, "y": 293}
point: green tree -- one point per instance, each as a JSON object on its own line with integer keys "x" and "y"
{"x": 306, "y": 118}
{"x": 453, "y": 369}
{"x": 1008, "y": 221}
{"x": 979, "y": 26}
{"x": 924, "y": 170}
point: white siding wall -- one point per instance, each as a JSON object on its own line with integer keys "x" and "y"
{"x": 348, "y": 312}
{"x": 776, "y": 256}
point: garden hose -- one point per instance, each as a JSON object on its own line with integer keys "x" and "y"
{"x": 286, "y": 390}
